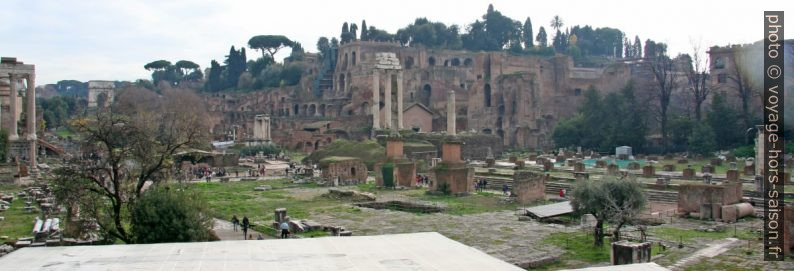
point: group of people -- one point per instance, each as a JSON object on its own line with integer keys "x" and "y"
{"x": 422, "y": 180}
{"x": 482, "y": 184}
{"x": 245, "y": 224}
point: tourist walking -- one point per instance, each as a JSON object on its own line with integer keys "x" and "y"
{"x": 245, "y": 227}
{"x": 235, "y": 222}
{"x": 284, "y": 229}
{"x": 505, "y": 189}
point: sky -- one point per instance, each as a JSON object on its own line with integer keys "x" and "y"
{"x": 113, "y": 39}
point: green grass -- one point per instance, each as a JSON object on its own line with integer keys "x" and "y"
{"x": 64, "y": 133}
{"x": 696, "y": 165}
{"x": 579, "y": 249}
{"x": 17, "y": 223}
{"x": 676, "y": 234}
{"x": 480, "y": 202}
{"x": 239, "y": 198}
{"x": 313, "y": 233}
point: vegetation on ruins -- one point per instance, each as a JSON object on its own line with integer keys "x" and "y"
{"x": 57, "y": 111}
{"x": 613, "y": 199}
{"x": 369, "y": 151}
{"x": 617, "y": 119}
{"x": 127, "y": 147}
{"x": 170, "y": 214}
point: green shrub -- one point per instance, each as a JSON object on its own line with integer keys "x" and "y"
{"x": 164, "y": 214}
{"x": 266, "y": 149}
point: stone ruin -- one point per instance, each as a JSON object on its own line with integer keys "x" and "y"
{"x": 528, "y": 186}
{"x": 337, "y": 170}
{"x": 20, "y": 148}
{"x": 625, "y": 252}
{"x": 453, "y": 175}
{"x": 403, "y": 172}
{"x": 298, "y": 226}
{"x": 712, "y": 201}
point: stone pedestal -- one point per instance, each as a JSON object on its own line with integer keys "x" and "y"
{"x": 749, "y": 170}
{"x": 648, "y": 171}
{"x": 548, "y": 165}
{"x": 490, "y": 162}
{"x": 612, "y": 169}
{"x": 520, "y": 164}
{"x": 601, "y": 164}
{"x": 405, "y": 173}
{"x": 732, "y": 175}
{"x": 688, "y": 173}
{"x": 578, "y": 166}
{"x": 394, "y": 148}
{"x": 707, "y": 169}
{"x": 454, "y": 178}
{"x": 450, "y": 151}
{"x": 707, "y": 178}
{"x": 625, "y": 252}
{"x": 669, "y": 168}
{"x": 529, "y": 186}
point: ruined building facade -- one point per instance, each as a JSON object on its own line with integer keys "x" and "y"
{"x": 518, "y": 98}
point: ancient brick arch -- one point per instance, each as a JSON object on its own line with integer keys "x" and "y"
{"x": 427, "y": 92}
{"x": 354, "y": 58}
{"x": 455, "y": 62}
{"x": 431, "y": 61}
{"x": 468, "y": 62}
{"x": 312, "y": 110}
{"x": 487, "y": 95}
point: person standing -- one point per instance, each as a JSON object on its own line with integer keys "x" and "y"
{"x": 284, "y": 229}
{"x": 245, "y": 227}
{"x": 235, "y": 222}
{"x": 505, "y": 189}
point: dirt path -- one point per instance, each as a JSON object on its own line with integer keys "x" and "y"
{"x": 225, "y": 231}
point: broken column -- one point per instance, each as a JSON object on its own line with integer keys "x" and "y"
{"x": 281, "y": 215}
{"x": 451, "y": 118}
{"x": 13, "y": 95}
{"x": 375, "y": 99}
{"x": 387, "y": 103}
{"x": 490, "y": 161}
{"x": 688, "y": 172}
{"x": 578, "y": 166}
{"x": 399, "y": 99}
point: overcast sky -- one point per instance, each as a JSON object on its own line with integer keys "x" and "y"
{"x": 112, "y": 40}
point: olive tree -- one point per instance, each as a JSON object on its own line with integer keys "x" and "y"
{"x": 613, "y": 199}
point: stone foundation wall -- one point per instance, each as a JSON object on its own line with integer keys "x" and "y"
{"x": 692, "y": 196}
{"x": 350, "y": 172}
{"x": 529, "y": 186}
{"x": 457, "y": 177}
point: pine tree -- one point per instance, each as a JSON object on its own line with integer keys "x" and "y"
{"x": 541, "y": 38}
{"x": 637, "y": 47}
{"x": 528, "y": 37}
{"x": 345, "y": 37}
{"x": 364, "y": 34}
{"x": 214, "y": 80}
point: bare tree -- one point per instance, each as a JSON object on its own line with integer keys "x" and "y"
{"x": 742, "y": 84}
{"x": 664, "y": 73}
{"x": 697, "y": 77}
{"x": 126, "y": 146}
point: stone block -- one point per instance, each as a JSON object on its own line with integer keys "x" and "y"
{"x": 280, "y": 214}
{"x": 688, "y": 173}
{"x": 749, "y": 170}
{"x": 612, "y": 169}
{"x": 512, "y": 159}
{"x": 520, "y": 164}
{"x": 625, "y": 252}
{"x": 732, "y": 175}
{"x": 490, "y": 162}
{"x": 529, "y": 186}
{"x": 729, "y": 213}
{"x": 668, "y": 167}
{"x": 648, "y": 171}
{"x": 578, "y": 167}
{"x": 601, "y": 163}
{"x": 633, "y": 166}
{"x": 707, "y": 169}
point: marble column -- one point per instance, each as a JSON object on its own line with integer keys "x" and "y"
{"x": 31, "y": 126}
{"x": 12, "y": 98}
{"x": 375, "y": 99}
{"x": 387, "y": 103}
{"x": 451, "y": 113}
{"x": 399, "y": 100}
{"x": 31, "y": 107}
